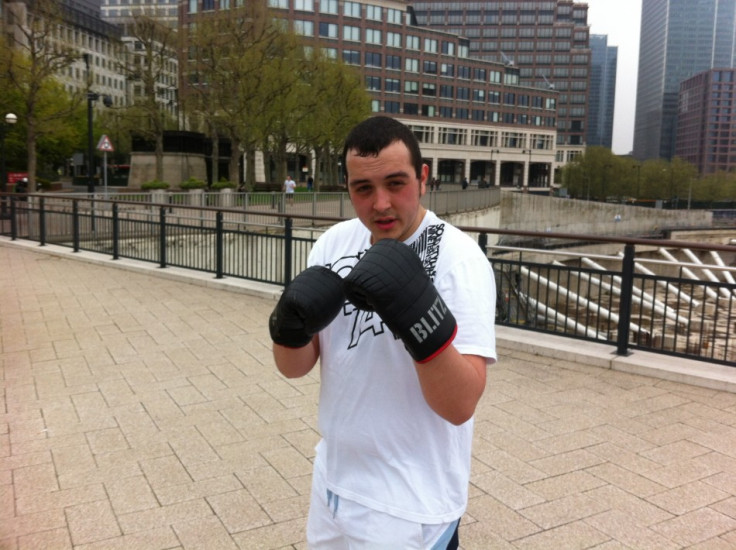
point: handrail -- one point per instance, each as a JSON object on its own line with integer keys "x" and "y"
{"x": 635, "y": 307}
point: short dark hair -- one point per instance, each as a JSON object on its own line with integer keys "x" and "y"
{"x": 374, "y": 134}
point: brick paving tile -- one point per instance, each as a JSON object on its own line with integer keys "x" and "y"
{"x": 144, "y": 411}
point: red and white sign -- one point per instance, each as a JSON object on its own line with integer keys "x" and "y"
{"x": 105, "y": 144}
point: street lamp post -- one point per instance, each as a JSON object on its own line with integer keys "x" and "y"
{"x": 10, "y": 119}
{"x": 91, "y": 98}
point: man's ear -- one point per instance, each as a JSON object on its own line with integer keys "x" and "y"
{"x": 423, "y": 180}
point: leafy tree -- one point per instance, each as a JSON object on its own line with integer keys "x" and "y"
{"x": 148, "y": 67}
{"x": 31, "y": 59}
{"x": 337, "y": 101}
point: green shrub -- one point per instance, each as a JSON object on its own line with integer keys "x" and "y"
{"x": 192, "y": 183}
{"x": 223, "y": 184}
{"x": 154, "y": 184}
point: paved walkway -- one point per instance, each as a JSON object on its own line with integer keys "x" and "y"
{"x": 143, "y": 412}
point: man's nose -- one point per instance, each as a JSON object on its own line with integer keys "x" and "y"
{"x": 382, "y": 200}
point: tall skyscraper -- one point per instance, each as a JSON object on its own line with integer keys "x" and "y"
{"x": 602, "y": 97}
{"x": 547, "y": 40}
{"x": 679, "y": 38}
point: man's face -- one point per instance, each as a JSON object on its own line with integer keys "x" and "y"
{"x": 385, "y": 192}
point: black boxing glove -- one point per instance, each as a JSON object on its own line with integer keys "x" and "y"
{"x": 308, "y": 304}
{"x": 390, "y": 280}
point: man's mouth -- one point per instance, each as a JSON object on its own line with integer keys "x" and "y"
{"x": 385, "y": 223}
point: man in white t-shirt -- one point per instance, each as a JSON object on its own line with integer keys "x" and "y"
{"x": 398, "y": 306}
{"x": 289, "y": 188}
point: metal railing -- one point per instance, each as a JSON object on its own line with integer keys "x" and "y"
{"x": 665, "y": 296}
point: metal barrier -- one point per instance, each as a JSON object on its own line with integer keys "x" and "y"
{"x": 670, "y": 297}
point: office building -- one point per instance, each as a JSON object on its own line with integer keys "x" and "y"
{"x": 602, "y": 96}
{"x": 122, "y": 11}
{"x": 679, "y": 38}
{"x": 81, "y": 28}
{"x": 473, "y": 117}
{"x": 546, "y": 40}
{"x": 706, "y": 125}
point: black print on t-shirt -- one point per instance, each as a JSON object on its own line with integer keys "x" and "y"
{"x": 363, "y": 323}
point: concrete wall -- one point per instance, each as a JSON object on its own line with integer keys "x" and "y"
{"x": 540, "y": 213}
{"x": 177, "y": 168}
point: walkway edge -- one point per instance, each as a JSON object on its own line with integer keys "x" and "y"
{"x": 664, "y": 367}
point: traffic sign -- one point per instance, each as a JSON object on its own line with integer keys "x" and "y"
{"x": 105, "y": 144}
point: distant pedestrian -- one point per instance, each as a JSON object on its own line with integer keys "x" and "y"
{"x": 289, "y": 188}
{"x": 310, "y": 183}
{"x": 465, "y": 183}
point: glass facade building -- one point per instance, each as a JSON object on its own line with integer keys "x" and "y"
{"x": 604, "y": 61}
{"x": 679, "y": 38}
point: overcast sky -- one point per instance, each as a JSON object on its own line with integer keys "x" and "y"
{"x": 621, "y": 21}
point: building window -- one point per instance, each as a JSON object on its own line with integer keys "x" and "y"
{"x": 411, "y": 87}
{"x": 304, "y": 5}
{"x": 429, "y": 89}
{"x": 328, "y": 30}
{"x": 351, "y": 9}
{"x": 463, "y": 72}
{"x": 445, "y": 112}
{"x": 479, "y": 95}
{"x": 479, "y": 75}
{"x": 305, "y": 28}
{"x": 351, "y": 33}
{"x": 447, "y": 91}
{"x": 463, "y": 93}
{"x": 208, "y": 5}
{"x": 372, "y": 59}
{"x": 192, "y": 6}
{"x": 462, "y": 113}
{"x": 281, "y": 4}
{"x": 328, "y": 6}
{"x": 375, "y": 106}
{"x": 393, "y": 62}
{"x": 412, "y": 42}
{"x": 451, "y": 136}
{"x": 430, "y": 67}
{"x": 429, "y": 110}
{"x": 430, "y": 45}
{"x": 393, "y": 16}
{"x": 393, "y": 85}
{"x": 411, "y": 108}
{"x": 411, "y": 65}
{"x": 393, "y": 39}
{"x": 373, "y": 13}
{"x": 448, "y": 48}
{"x": 351, "y": 57}
{"x": 447, "y": 69}
{"x": 373, "y": 36}
{"x": 391, "y": 106}
{"x": 373, "y": 83}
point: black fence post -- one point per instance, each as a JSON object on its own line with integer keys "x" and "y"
{"x": 162, "y": 236}
{"x": 624, "y": 312}
{"x": 288, "y": 225}
{"x": 115, "y": 231}
{"x": 41, "y": 221}
{"x": 483, "y": 242}
{"x": 13, "y": 219}
{"x": 75, "y": 225}
{"x": 219, "y": 245}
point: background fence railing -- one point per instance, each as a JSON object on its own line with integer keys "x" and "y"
{"x": 665, "y": 296}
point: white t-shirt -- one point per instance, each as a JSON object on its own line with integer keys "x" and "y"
{"x": 289, "y": 186}
{"x": 382, "y": 445}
